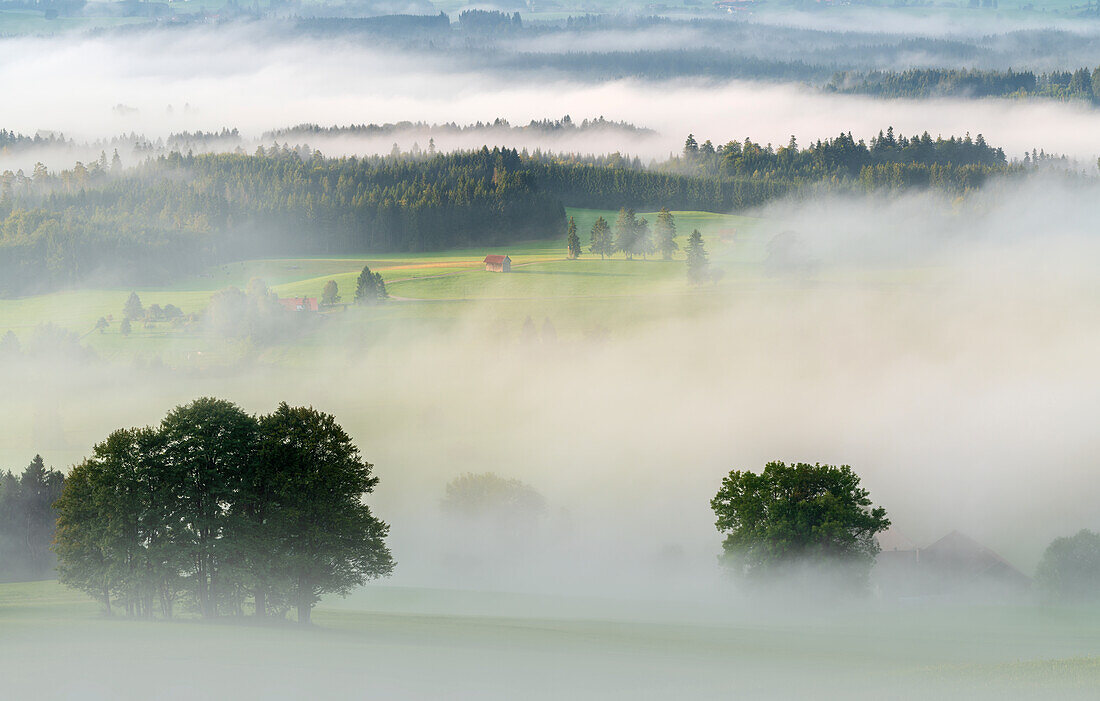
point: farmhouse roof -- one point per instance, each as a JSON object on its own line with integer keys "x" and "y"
{"x": 299, "y": 303}
{"x": 496, "y": 260}
{"x": 964, "y": 553}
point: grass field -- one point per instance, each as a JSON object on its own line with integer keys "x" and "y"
{"x": 409, "y": 643}
{"x": 426, "y": 287}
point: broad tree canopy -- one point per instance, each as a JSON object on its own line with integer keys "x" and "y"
{"x": 794, "y": 514}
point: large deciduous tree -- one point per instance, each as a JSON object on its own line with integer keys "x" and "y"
{"x": 215, "y": 505}
{"x": 330, "y": 295}
{"x": 788, "y": 516}
{"x": 1070, "y": 568}
{"x": 324, "y": 538}
{"x": 209, "y": 451}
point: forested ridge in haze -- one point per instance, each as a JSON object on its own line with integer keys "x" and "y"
{"x": 173, "y": 214}
{"x": 1081, "y": 84}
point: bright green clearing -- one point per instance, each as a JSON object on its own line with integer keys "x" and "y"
{"x": 426, "y": 288}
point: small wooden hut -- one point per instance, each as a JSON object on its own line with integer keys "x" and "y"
{"x": 498, "y": 264}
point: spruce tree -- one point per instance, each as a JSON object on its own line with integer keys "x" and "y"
{"x": 626, "y": 230}
{"x": 666, "y": 234}
{"x": 696, "y": 259}
{"x": 369, "y": 288}
{"x": 643, "y": 239}
{"x": 601, "y": 239}
{"x": 133, "y": 309}
{"x": 572, "y": 241}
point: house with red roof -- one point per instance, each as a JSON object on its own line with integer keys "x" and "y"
{"x": 498, "y": 264}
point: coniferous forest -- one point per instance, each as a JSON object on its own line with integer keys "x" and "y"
{"x": 176, "y": 213}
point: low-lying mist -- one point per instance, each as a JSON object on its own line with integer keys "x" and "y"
{"x": 157, "y": 82}
{"x": 944, "y": 349}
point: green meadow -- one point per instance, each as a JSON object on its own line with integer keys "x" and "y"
{"x": 406, "y": 642}
{"x": 431, "y": 288}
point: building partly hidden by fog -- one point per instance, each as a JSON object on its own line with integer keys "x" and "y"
{"x": 954, "y": 567}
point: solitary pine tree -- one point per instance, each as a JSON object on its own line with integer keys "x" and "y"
{"x": 601, "y": 239}
{"x": 369, "y": 288}
{"x": 572, "y": 241}
{"x": 691, "y": 148}
{"x": 133, "y": 309}
{"x": 696, "y": 259}
{"x": 331, "y": 294}
{"x": 626, "y": 231}
{"x": 666, "y": 234}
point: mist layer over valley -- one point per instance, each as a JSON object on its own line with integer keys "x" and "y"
{"x": 524, "y": 353}
{"x": 944, "y": 351}
{"x": 141, "y": 86}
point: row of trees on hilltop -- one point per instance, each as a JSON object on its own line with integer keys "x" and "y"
{"x": 631, "y": 235}
{"x": 957, "y": 158}
{"x": 1081, "y": 84}
{"x": 215, "y": 509}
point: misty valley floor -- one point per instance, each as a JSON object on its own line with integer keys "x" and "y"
{"x": 405, "y": 643}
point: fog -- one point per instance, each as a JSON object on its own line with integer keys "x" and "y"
{"x": 944, "y": 350}
{"x": 943, "y": 346}
{"x": 242, "y": 77}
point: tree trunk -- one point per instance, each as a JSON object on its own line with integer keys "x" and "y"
{"x": 107, "y": 596}
{"x": 305, "y": 606}
{"x": 261, "y": 603}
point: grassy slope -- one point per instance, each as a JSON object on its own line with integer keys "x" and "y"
{"x": 542, "y": 284}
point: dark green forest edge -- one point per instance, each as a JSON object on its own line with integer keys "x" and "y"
{"x": 172, "y": 215}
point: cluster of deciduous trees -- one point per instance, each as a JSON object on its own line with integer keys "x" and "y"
{"x": 27, "y": 521}
{"x": 221, "y": 512}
